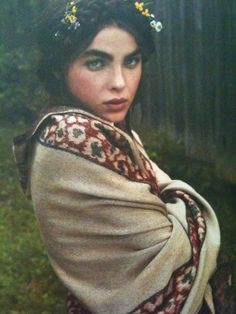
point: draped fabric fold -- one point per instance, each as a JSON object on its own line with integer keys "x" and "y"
{"x": 120, "y": 234}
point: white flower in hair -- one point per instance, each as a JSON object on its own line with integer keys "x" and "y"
{"x": 140, "y": 6}
{"x": 157, "y": 25}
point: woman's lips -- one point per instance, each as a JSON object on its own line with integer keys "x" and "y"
{"x": 116, "y": 104}
{"x": 116, "y": 101}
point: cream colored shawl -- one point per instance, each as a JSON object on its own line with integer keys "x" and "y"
{"x": 121, "y": 235}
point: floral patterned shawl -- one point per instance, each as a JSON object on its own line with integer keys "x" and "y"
{"x": 120, "y": 234}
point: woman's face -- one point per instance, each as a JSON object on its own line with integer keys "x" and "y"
{"x": 105, "y": 77}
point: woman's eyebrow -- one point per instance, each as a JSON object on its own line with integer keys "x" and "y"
{"x": 135, "y": 53}
{"x": 97, "y": 53}
{"x": 105, "y": 55}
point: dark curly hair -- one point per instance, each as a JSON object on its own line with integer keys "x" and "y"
{"x": 56, "y": 52}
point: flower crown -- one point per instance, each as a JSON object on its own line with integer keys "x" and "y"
{"x": 157, "y": 25}
{"x": 72, "y": 8}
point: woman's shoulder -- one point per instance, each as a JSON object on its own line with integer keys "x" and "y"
{"x": 74, "y": 130}
{"x": 93, "y": 139}
{"x": 64, "y": 127}
{"x": 88, "y": 136}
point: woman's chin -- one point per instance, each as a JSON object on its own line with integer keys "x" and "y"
{"x": 114, "y": 117}
{"x": 111, "y": 115}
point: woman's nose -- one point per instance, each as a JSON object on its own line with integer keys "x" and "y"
{"x": 117, "y": 80}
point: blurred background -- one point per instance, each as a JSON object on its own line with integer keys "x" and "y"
{"x": 188, "y": 127}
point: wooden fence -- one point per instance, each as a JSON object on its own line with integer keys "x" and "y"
{"x": 191, "y": 91}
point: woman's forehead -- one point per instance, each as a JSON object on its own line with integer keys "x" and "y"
{"x": 113, "y": 39}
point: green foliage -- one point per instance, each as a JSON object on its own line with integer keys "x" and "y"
{"x": 19, "y": 93}
{"x": 27, "y": 282}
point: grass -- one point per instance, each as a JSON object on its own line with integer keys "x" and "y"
{"x": 27, "y": 282}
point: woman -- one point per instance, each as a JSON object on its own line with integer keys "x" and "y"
{"x": 120, "y": 234}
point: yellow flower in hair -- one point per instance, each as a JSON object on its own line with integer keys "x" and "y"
{"x": 139, "y": 5}
{"x": 71, "y": 18}
{"x": 74, "y": 9}
{"x": 146, "y": 13}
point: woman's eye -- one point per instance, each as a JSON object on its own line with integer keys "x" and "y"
{"x": 132, "y": 62}
{"x": 94, "y": 64}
